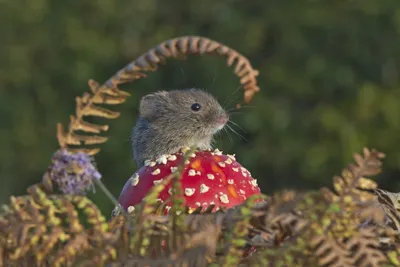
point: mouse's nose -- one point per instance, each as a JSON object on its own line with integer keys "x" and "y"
{"x": 223, "y": 118}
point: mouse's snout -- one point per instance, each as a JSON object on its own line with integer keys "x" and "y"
{"x": 223, "y": 118}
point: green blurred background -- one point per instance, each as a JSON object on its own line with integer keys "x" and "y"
{"x": 329, "y": 78}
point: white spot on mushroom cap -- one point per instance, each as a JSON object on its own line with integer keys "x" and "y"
{"x": 189, "y": 191}
{"x": 156, "y": 172}
{"x": 152, "y": 163}
{"x": 221, "y": 164}
{"x": 173, "y": 169}
{"x": 254, "y": 182}
{"x": 235, "y": 169}
{"x": 187, "y": 162}
{"x": 217, "y": 152}
{"x": 192, "y": 155}
{"x": 232, "y": 157}
{"x": 210, "y": 176}
{"x": 131, "y": 209}
{"x": 162, "y": 159}
{"x": 230, "y": 181}
{"x": 198, "y": 173}
{"x": 134, "y": 179}
{"x": 204, "y": 188}
{"x": 244, "y": 174}
{"x": 242, "y": 191}
{"x": 192, "y": 172}
{"x": 172, "y": 158}
{"x": 228, "y": 161}
{"x": 198, "y": 204}
{"x": 224, "y": 199}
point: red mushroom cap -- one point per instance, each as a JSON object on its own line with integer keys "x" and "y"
{"x": 209, "y": 178}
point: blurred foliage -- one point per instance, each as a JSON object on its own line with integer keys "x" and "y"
{"x": 328, "y": 75}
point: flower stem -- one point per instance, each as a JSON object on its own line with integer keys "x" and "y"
{"x": 110, "y": 196}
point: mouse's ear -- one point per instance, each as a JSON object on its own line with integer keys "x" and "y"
{"x": 150, "y": 103}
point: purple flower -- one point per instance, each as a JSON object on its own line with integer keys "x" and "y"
{"x": 73, "y": 173}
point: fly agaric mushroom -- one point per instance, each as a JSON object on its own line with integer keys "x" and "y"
{"x": 209, "y": 178}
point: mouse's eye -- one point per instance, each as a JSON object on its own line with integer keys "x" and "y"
{"x": 196, "y": 107}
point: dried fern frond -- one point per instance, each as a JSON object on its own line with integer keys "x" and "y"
{"x": 324, "y": 227}
{"x": 354, "y": 177}
{"x": 298, "y": 235}
{"x": 110, "y": 94}
{"x": 142, "y": 234}
{"x": 365, "y": 247}
{"x": 236, "y": 236}
{"x": 347, "y": 198}
{"x": 336, "y": 236}
{"x": 54, "y": 230}
{"x": 390, "y": 203}
{"x": 286, "y": 256}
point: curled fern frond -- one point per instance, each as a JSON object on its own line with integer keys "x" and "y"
{"x": 110, "y": 94}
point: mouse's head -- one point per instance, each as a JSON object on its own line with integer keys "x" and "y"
{"x": 191, "y": 110}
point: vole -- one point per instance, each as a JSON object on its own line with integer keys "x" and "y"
{"x": 171, "y": 120}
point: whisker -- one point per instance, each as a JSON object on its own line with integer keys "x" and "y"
{"x": 228, "y": 102}
{"x": 237, "y": 89}
{"x": 231, "y": 109}
{"x": 241, "y": 136}
{"x": 249, "y": 106}
{"x": 232, "y": 99}
{"x": 237, "y": 125}
{"x": 229, "y": 135}
{"x": 183, "y": 74}
{"x": 242, "y": 107}
{"x": 215, "y": 77}
{"x": 232, "y": 113}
